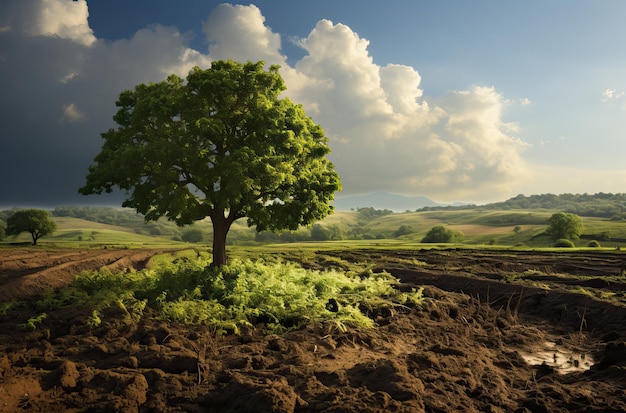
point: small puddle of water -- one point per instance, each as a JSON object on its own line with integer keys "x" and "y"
{"x": 563, "y": 361}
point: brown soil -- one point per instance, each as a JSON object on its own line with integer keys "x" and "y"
{"x": 498, "y": 332}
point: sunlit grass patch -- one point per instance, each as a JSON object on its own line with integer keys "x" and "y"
{"x": 184, "y": 288}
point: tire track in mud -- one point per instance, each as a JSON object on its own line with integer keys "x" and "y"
{"x": 41, "y": 272}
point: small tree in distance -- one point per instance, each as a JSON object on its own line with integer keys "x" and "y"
{"x": 440, "y": 233}
{"x": 223, "y": 145}
{"x": 37, "y": 222}
{"x": 565, "y": 226}
{"x": 193, "y": 235}
{"x": 402, "y": 230}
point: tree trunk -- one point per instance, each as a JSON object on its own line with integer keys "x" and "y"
{"x": 220, "y": 230}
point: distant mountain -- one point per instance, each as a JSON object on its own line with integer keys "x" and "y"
{"x": 384, "y": 200}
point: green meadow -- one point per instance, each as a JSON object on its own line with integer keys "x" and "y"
{"x": 521, "y": 228}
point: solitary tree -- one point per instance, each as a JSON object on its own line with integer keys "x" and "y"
{"x": 35, "y": 221}
{"x": 325, "y": 233}
{"x": 319, "y": 233}
{"x": 193, "y": 235}
{"x": 223, "y": 145}
{"x": 565, "y": 226}
{"x": 440, "y": 233}
{"x": 402, "y": 230}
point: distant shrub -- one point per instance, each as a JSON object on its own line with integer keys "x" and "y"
{"x": 155, "y": 231}
{"x": 440, "y": 233}
{"x": 594, "y": 244}
{"x": 564, "y": 243}
{"x": 321, "y": 232}
{"x": 193, "y": 235}
{"x": 402, "y": 230}
{"x": 369, "y": 213}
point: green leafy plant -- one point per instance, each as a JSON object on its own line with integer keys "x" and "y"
{"x": 94, "y": 320}
{"x": 241, "y": 294}
{"x": 6, "y": 306}
{"x": 32, "y": 322}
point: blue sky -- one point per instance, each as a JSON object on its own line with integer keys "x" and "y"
{"x": 455, "y": 100}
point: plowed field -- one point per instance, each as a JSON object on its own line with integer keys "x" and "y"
{"x": 498, "y": 332}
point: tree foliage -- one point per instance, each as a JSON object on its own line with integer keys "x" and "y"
{"x": 605, "y": 205}
{"x": 37, "y": 222}
{"x": 564, "y": 225}
{"x": 402, "y": 230}
{"x": 440, "y": 233}
{"x": 193, "y": 235}
{"x": 370, "y": 213}
{"x": 321, "y": 232}
{"x": 223, "y": 145}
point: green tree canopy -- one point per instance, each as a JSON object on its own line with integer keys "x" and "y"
{"x": 35, "y": 221}
{"x": 370, "y": 213}
{"x": 440, "y": 233}
{"x": 402, "y": 230}
{"x": 193, "y": 235}
{"x": 223, "y": 145}
{"x": 321, "y": 232}
{"x": 564, "y": 225}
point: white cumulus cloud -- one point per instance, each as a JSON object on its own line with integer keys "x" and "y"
{"x": 384, "y": 134}
{"x": 63, "y": 19}
{"x": 238, "y": 32}
{"x": 71, "y": 113}
{"x": 612, "y": 94}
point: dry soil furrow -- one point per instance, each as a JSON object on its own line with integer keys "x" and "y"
{"x": 63, "y": 274}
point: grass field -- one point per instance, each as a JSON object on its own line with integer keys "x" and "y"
{"x": 510, "y": 228}
{"x": 80, "y": 233}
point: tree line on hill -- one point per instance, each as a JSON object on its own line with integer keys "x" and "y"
{"x": 601, "y": 205}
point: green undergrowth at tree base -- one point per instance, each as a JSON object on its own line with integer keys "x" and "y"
{"x": 243, "y": 294}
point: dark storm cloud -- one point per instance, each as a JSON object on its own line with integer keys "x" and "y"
{"x": 45, "y": 153}
{"x": 58, "y": 96}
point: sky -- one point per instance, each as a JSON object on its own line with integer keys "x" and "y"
{"x": 454, "y": 100}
